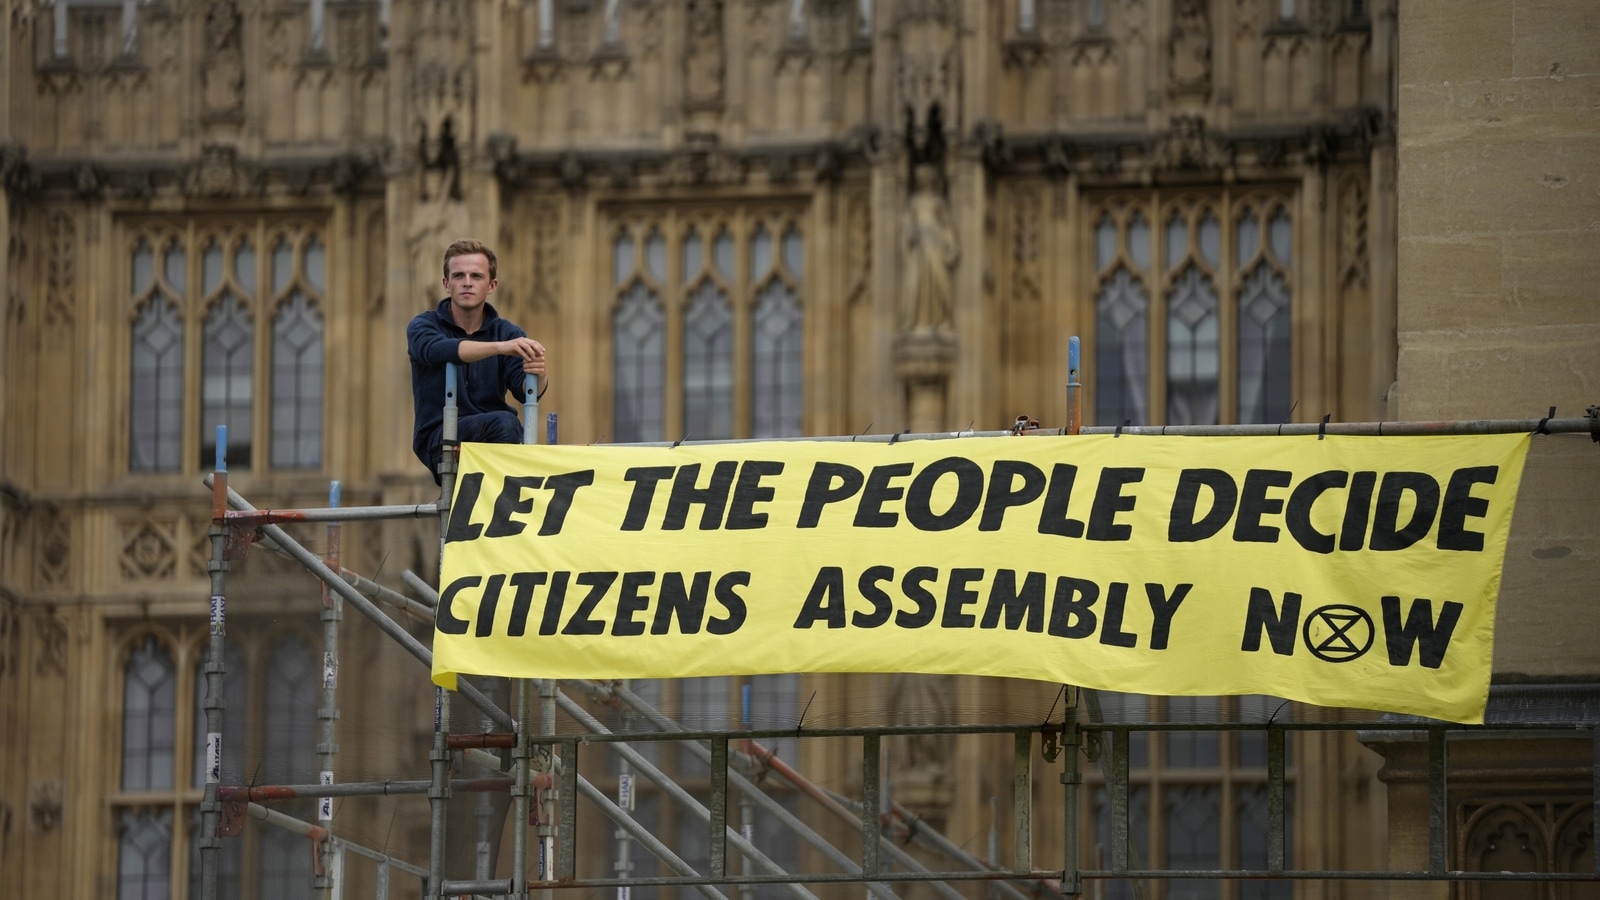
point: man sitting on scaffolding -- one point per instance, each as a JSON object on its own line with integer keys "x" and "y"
{"x": 495, "y": 355}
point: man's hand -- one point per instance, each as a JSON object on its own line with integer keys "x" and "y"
{"x": 531, "y": 351}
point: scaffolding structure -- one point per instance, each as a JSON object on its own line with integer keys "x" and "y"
{"x": 544, "y": 784}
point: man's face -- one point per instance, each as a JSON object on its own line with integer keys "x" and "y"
{"x": 469, "y": 283}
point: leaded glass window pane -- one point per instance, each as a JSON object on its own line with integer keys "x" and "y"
{"x": 722, "y": 254}
{"x": 1121, "y": 342}
{"x": 1138, "y": 830}
{"x": 149, "y": 718}
{"x": 1193, "y": 350}
{"x": 289, "y": 724}
{"x": 1139, "y": 240}
{"x": 1193, "y": 749}
{"x": 1177, "y": 241}
{"x": 144, "y": 267}
{"x": 760, "y": 252}
{"x": 794, "y": 255}
{"x": 708, "y": 364}
{"x": 1249, "y": 237}
{"x": 1281, "y": 236}
{"x": 244, "y": 266}
{"x": 228, "y": 372}
{"x": 1254, "y": 818}
{"x": 316, "y": 265}
{"x": 777, "y": 378}
{"x": 285, "y": 866}
{"x": 655, "y": 256}
{"x": 1211, "y": 239}
{"x": 638, "y": 328}
{"x": 155, "y": 395}
{"x": 1265, "y": 367}
{"x": 144, "y": 855}
{"x": 175, "y": 268}
{"x": 211, "y": 268}
{"x": 1105, "y": 242}
{"x": 297, "y": 384}
{"x": 282, "y": 264}
{"x": 1194, "y": 837}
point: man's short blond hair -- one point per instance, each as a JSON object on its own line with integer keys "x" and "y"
{"x": 468, "y": 247}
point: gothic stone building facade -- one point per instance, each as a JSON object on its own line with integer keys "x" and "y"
{"x": 728, "y": 219}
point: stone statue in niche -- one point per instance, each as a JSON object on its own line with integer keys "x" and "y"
{"x": 1189, "y": 49}
{"x": 441, "y": 162}
{"x": 928, "y": 236}
{"x": 222, "y": 78}
{"x": 704, "y": 63}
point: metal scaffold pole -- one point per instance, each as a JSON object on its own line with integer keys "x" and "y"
{"x": 211, "y": 806}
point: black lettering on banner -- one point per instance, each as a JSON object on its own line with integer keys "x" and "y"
{"x": 1387, "y": 533}
{"x": 1111, "y": 633}
{"x": 630, "y": 603}
{"x": 486, "y": 606}
{"x": 1254, "y": 503}
{"x": 687, "y": 493}
{"x": 510, "y": 503}
{"x": 1301, "y": 502}
{"x": 882, "y": 606}
{"x": 553, "y": 603}
{"x": 825, "y": 602}
{"x": 731, "y": 601}
{"x": 565, "y": 487}
{"x": 958, "y": 596}
{"x": 1182, "y": 526}
{"x": 1262, "y": 617}
{"x": 969, "y": 493}
{"x": 1459, "y": 505}
{"x": 583, "y": 621}
{"x": 1015, "y": 604}
{"x": 1053, "y": 516}
{"x": 447, "y": 621}
{"x": 913, "y": 586}
{"x": 870, "y": 514}
{"x": 461, "y": 525}
{"x": 1430, "y": 638}
{"x": 748, "y": 492}
{"x": 1003, "y": 496}
{"x": 1109, "y": 500}
{"x": 645, "y": 479}
{"x": 1163, "y": 607}
{"x": 821, "y": 490}
{"x": 524, "y": 582}
{"x": 688, "y": 604}
{"x": 1071, "y": 615}
{"x": 1353, "y": 530}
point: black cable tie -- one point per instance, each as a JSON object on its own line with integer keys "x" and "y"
{"x": 896, "y": 436}
{"x": 863, "y": 431}
{"x": 1125, "y": 423}
{"x": 678, "y": 441}
{"x": 1322, "y": 430}
{"x": 1545, "y": 421}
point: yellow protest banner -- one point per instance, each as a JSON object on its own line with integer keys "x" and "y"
{"x": 1341, "y": 571}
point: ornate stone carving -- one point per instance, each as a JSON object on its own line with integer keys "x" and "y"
{"x": 1354, "y": 268}
{"x": 858, "y": 246}
{"x": 149, "y": 550}
{"x": 46, "y": 798}
{"x": 546, "y": 257}
{"x": 220, "y": 173}
{"x": 222, "y": 68}
{"x": 1188, "y": 146}
{"x": 16, "y": 175}
{"x": 60, "y": 297}
{"x": 52, "y": 646}
{"x": 1025, "y": 245}
{"x": 701, "y": 163}
{"x": 53, "y": 540}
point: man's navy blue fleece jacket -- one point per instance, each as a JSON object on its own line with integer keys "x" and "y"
{"x": 432, "y": 340}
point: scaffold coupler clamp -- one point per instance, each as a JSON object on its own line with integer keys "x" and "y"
{"x": 1593, "y": 415}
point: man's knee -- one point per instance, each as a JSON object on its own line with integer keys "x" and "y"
{"x": 492, "y": 428}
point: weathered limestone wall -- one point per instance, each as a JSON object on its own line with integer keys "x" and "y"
{"x": 1499, "y": 277}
